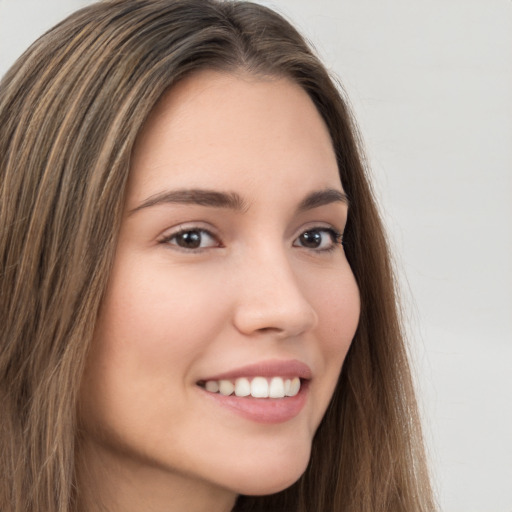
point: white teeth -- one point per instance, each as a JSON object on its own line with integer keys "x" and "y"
{"x": 242, "y": 387}
{"x": 212, "y": 386}
{"x": 259, "y": 387}
{"x": 226, "y": 387}
{"x": 276, "y": 389}
{"x": 294, "y": 387}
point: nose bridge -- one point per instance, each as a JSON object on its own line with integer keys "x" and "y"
{"x": 271, "y": 298}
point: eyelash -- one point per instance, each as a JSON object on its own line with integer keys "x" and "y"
{"x": 168, "y": 239}
{"x": 336, "y": 239}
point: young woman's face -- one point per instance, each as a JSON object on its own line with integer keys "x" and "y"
{"x": 228, "y": 273}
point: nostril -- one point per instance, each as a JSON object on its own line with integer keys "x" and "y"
{"x": 269, "y": 329}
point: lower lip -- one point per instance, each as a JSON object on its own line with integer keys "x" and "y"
{"x": 263, "y": 410}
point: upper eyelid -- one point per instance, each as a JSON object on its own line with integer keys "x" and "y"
{"x": 318, "y": 225}
{"x": 188, "y": 226}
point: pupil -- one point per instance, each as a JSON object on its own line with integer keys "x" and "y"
{"x": 311, "y": 239}
{"x": 190, "y": 239}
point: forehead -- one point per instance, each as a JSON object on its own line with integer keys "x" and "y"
{"x": 219, "y": 129}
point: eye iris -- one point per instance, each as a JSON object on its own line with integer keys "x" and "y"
{"x": 311, "y": 239}
{"x": 189, "y": 239}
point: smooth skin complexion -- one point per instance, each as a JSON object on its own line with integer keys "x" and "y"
{"x": 229, "y": 264}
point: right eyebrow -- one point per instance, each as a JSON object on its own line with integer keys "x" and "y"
{"x": 202, "y": 197}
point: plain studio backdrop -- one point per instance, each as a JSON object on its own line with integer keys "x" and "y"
{"x": 431, "y": 87}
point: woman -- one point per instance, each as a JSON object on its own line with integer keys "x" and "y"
{"x": 198, "y": 308}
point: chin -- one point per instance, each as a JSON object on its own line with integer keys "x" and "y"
{"x": 271, "y": 476}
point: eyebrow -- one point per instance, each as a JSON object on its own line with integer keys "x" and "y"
{"x": 233, "y": 201}
{"x": 322, "y": 198}
{"x": 213, "y": 198}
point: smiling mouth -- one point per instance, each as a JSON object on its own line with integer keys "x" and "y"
{"x": 256, "y": 387}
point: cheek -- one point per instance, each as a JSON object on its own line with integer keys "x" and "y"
{"x": 338, "y": 309}
{"x": 152, "y": 328}
{"x": 341, "y": 316}
{"x": 159, "y": 314}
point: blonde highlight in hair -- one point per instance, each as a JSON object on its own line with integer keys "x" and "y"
{"x": 70, "y": 111}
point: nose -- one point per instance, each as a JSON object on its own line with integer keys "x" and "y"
{"x": 272, "y": 300}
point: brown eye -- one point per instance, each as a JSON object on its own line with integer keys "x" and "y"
{"x": 320, "y": 239}
{"x": 192, "y": 239}
{"x": 311, "y": 239}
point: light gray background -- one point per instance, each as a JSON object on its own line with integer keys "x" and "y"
{"x": 431, "y": 87}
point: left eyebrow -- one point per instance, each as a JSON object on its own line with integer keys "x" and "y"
{"x": 322, "y": 198}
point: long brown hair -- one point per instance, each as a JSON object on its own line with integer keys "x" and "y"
{"x": 70, "y": 110}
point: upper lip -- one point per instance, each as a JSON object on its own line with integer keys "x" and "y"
{"x": 270, "y": 368}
